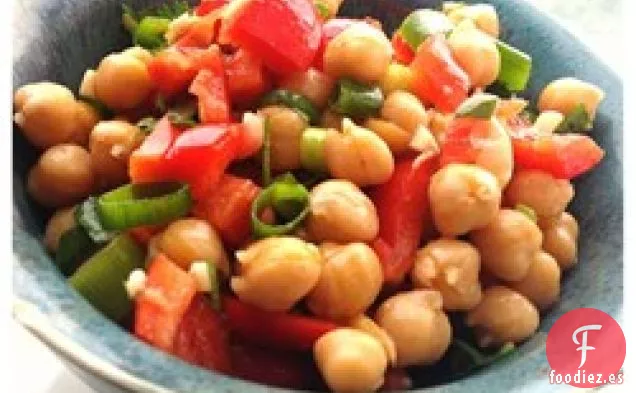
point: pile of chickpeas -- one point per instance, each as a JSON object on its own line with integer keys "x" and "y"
{"x": 498, "y": 265}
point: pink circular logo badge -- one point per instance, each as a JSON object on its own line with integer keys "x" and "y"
{"x": 586, "y": 348}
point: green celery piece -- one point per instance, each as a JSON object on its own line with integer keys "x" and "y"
{"x": 578, "y": 120}
{"x": 357, "y": 100}
{"x": 515, "y": 69}
{"x": 479, "y": 106}
{"x": 422, "y": 23}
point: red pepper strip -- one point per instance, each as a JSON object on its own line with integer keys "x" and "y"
{"x": 401, "y": 50}
{"x": 147, "y": 164}
{"x": 462, "y": 140}
{"x": 247, "y": 79}
{"x": 285, "y": 34}
{"x": 272, "y": 329}
{"x": 163, "y": 303}
{"x": 438, "y": 79}
{"x": 564, "y": 156}
{"x": 202, "y": 337}
{"x": 209, "y": 87}
{"x": 273, "y": 367}
{"x": 207, "y": 6}
{"x": 330, "y": 29}
{"x": 228, "y": 207}
{"x": 403, "y": 208}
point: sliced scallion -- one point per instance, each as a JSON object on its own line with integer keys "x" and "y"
{"x": 289, "y": 199}
{"x": 134, "y": 205}
{"x": 88, "y": 218}
{"x": 101, "y": 279}
{"x": 479, "y": 106}
{"x": 312, "y": 149}
{"x": 357, "y": 100}
{"x": 294, "y": 101}
{"x": 514, "y": 72}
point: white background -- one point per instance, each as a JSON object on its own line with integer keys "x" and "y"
{"x": 31, "y": 368}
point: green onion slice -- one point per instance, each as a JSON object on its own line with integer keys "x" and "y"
{"x": 357, "y": 100}
{"x": 133, "y": 205}
{"x": 479, "y": 106}
{"x": 87, "y": 217}
{"x": 289, "y": 199}
{"x": 578, "y": 120}
{"x": 101, "y": 279}
{"x": 75, "y": 246}
{"x": 294, "y": 101}
{"x": 514, "y": 72}
{"x": 149, "y": 32}
{"x": 421, "y": 24}
{"x": 215, "y": 292}
{"x": 266, "y": 151}
{"x": 528, "y": 211}
{"x": 312, "y": 150}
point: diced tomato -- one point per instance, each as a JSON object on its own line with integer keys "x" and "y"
{"x": 147, "y": 163}
{"x": 274, "y": 367}
{"x": 200, "y": 156}
{"x": 143, "y": 234}
{"x": 274, "y": 329}
{"x": 201, "y": 34}
{"x": 461, "y": 140}
{"x": 401, "y": 50}
{"x": 207, "y": 6}
{"x": 564, "y": 156}
{"x": 202, "y": 338}
{"x": 163, "y": 303}
{"x": 438, "y": 79}
{"x": 330, "y": 29}
{"x": 403, "y": 208}
{"x": 285, "y": 34}
{"x": 210, "y": 89}
{"x": 228, "y": 208}
{"x": 247, "y": 79}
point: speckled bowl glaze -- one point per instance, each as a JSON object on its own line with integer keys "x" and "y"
{"x": 59, "y": 39}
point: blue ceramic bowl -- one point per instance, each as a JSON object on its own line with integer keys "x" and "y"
{"x": 59, "y": 39}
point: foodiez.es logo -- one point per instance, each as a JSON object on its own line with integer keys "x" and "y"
{"x": 586, "y": 348}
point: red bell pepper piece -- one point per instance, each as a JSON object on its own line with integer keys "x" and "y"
{"x": 330, "y": 29}
{"x": 273, "y": 329}
{"x": 147, "y": 163}
{"x": 461, "y": 141}
{"x": 246, "y": 77}
{"x": 403, "y": 208}
{"x": 163, "y": 303}
{"x": 401, "y": 50}
{"x": 202, "y": 337}
{"x": 438, "y": 78}
{"x": 209, "y": 87}
{"x": 285, "y": 34}
{"x": 564, "y": 156}
{"x": 228, "y": 208}
{"x": 276, "y": 368}
{"x": 207, "y": 6}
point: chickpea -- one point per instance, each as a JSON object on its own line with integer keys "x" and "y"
{"x": 46, "y": 113}
{"x": 87, "y": 87}
{"x": 61, "y": 177}
{"x": 368, "y": 325}
{"x": 503, "y": 316}
{"x": 140, "y": 53}
{"x": 286, "y": 127}
{"x": 331, "y": 119}
{"x": 351, "y": 279}
{"x": 542, "y": 284}
{"x": 350, "y": 361}
{"x": 405, "y": 110}
{"x": 341, "y": 212}
{"x": 360, "y": 52}
{"x": 189, "y": 240}
{"x": 476, "y": 53}
{"x": 111, "y": 144}
{"x": 439, "y": 124}
{"x": 507, "y": 244}
{"x": 560, "y": 239}
{"x": 359, "y": 155}
{"x": 542, "y": 192}
{"x": 397, "y": 77}
{"x": 393, "y": 135}
{"x": 420, "y": 329}
{"x": 451, "y": 267}
{"x": 547, "y": 122}
{"x": 122, "y": 81}
{"x": 483, "y": 15}
{"x": 275, "y": 273}
{"x": 463, "y": 197}
{"x": 510, "y": 108}
{"x": 495, "y": 152}
{"x": 87, "y": 118}
{"x": 563, "y": 95}
{"x": 62, "y": 221}
{"x": 313, "y": 84}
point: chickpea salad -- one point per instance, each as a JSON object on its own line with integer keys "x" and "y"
{"x": 265, "y": 189}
